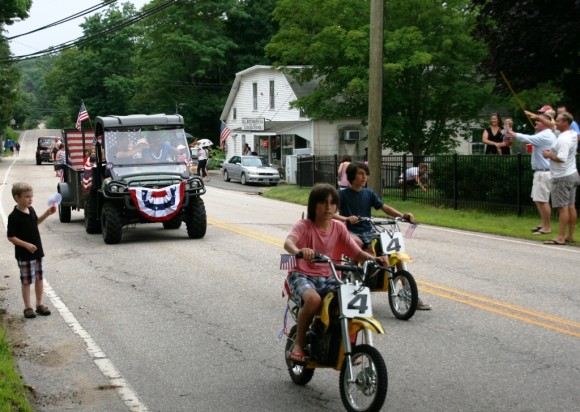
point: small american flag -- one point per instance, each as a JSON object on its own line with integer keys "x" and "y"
{"x": 410, "y": 230}
{"x": 225, "y": 132}
{"x": 83, "y": 115}
{"x": 287, "y": 262}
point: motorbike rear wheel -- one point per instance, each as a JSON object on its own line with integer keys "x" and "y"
{"x": 369, "y": 390}
{"x": 403, "y": 300}
{"x": 299, "y": 373}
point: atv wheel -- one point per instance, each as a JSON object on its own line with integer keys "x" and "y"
{"x": 111, "y": 224}
{"x": 92, "y": 225}
{"x": 195, "y": 218}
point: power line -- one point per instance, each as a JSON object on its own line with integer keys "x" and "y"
{"x": 66, "y": 19}
{"x": 87, "y": 39}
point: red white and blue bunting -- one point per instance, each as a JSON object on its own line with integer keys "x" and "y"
{"x": 159, "y": 205}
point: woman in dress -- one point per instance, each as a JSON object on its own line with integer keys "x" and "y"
{"x": 493, "y": 137}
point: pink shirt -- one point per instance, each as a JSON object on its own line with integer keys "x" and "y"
{"x": 334, "y": 242}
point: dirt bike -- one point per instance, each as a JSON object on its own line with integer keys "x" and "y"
{"x": 334, "y": 340}
{"x": 388, "y": 240}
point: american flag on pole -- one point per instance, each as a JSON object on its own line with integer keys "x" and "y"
{"x": 225, "y": 132}
{"x": 287, "y": 262}
{"x": 83, "y": 115}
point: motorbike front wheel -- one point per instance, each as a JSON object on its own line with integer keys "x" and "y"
{"x": 368, "y": 391}
{"x": 299, "y": 373}
{"x": 404, "y": 296}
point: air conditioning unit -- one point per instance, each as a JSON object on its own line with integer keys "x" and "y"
{"x": 351, "y": 134}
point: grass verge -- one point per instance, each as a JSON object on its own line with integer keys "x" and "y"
{"x": 497, "y": 224}
{"x": 12, "y": 390}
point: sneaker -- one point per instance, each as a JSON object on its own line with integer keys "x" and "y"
{"x": 42, "y": 310}
{"x": 29, "y": 313}
{"x": 422, "y": 305}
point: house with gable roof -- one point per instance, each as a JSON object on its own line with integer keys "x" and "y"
{"x": 258, "y": 112}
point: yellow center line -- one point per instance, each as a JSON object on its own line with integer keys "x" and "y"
{"x": 488, "y": 304}
{"x": 503, "y": 312}
{"x": 501, "y": 304}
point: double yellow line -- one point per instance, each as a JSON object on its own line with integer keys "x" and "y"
{"x": 491, "y": 305}
{"x": 501, "y": 308}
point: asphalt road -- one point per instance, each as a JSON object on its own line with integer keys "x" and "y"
{"x": 161, "y": 322}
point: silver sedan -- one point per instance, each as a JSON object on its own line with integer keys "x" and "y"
{"x": 250, "y": 169}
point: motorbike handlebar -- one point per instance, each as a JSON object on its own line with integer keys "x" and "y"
{"x": 364, "y": 270}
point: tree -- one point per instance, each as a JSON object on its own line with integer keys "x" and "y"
{"x": 100, "y": 72}
{"x": 10, "y": 9}
{"x": 532, "y": 42}
{"x": 431, "y": 88}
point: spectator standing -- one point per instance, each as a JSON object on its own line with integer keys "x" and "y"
{"x": 23, "y": 233}
{"x": 12, "y": 149}
{"x": 565, "y": 178}
{"x": 246, "y": 150}
{"x": 342, "y": 179}
{"x": 493, "y": 138}
{"x": 17, "y": 147}
{"x": 60, "y": 162}
{"x": 541, "y": 186}
{"x": 202, "y": 156}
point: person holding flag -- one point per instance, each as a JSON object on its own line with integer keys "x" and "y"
{"x": 83, "y": 115}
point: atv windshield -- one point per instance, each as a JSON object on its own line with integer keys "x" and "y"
{"x": 161, "y": 146}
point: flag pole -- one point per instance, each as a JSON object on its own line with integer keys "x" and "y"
{"x": 516, "y": 97}
{"x": 91, "y": 123}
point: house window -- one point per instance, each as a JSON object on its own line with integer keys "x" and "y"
{"x": 477, "y": 148}
{"x": 272, "y": 102}
{"x": 235, "y": 114}
{"x": 255, "y": 96}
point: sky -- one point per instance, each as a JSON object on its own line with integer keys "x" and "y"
{"x": 44, "y": 12}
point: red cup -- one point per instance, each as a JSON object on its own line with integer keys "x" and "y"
{"x": 529, "y": 148}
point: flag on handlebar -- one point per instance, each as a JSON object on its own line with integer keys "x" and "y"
{"x": 287, "y": 261}
{"x": 410, "y": 230}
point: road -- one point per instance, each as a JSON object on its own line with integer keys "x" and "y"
{"x": 161, "y": 322}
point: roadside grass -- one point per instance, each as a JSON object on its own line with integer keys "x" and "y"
{"x": 12, "y": 390}
{"x": 497, "y": 224}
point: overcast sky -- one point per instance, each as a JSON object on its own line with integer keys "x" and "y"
{"x": 44, "y": 12}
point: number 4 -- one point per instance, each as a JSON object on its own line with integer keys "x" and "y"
{"x": 362, "y": 307}
{"x": 393, "y": 246}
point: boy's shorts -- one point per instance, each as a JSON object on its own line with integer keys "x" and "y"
{"x": 31, "y": 271}
{"x": 300, "y": 282}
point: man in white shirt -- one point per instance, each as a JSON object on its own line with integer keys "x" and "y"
{"x": 541, "y": 186}
{"x": 565, "y": 178}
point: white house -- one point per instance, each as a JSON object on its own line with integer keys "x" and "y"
{"x": 258, "y": 112}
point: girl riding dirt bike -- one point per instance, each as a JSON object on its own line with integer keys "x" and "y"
{"x": 334, "y": 339}
{"x": 310, "y": 282}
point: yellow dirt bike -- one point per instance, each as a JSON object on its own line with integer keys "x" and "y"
{"x": 340, "y": 337}
{"x": 388, "y": 240}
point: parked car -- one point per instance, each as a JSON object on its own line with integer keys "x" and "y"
{"x": 250, "y": 169}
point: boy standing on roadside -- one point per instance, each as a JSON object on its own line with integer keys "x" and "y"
{"x": 24, "y": 234}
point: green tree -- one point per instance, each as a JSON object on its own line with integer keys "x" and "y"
{"x": 183, "y": 63}
{"x": 100, "y": 72}
{"x": 250, "y": 26}
{"x": 10, "y": 9}
{"x": 431, "y": 88}
{"x": 532, "y": 42}
{"x": 9, "y": 77}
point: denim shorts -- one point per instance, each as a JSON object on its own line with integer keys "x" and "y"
{"x": 31, "y": 271}
{"x": 300, "y": 282}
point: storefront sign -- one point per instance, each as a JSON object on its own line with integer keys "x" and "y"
{"x": 253, "y": 123}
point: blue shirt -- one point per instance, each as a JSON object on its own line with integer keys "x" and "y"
{"x": 540, "y": 141}
{"x": 353, "y": 203}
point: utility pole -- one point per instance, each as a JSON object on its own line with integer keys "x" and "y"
{"x": 375, "y": 95}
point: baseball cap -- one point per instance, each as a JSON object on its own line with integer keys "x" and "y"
{"x": 545, "y": 108}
